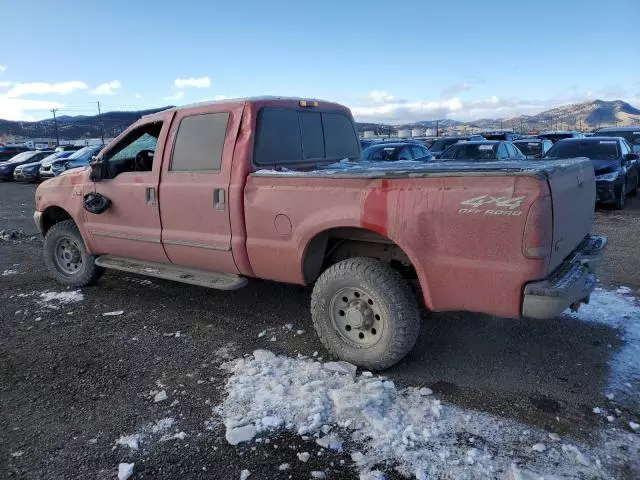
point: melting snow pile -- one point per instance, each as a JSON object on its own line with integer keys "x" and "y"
{"x": 619, "y": 310}
{"x": 158, "y": 430}
{"x": 53, "y": 299}
{"x": 380, "y": 424}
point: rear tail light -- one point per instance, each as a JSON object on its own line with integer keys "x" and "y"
{"x": 538, "y": 229}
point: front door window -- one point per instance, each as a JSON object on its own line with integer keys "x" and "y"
{"x": 135, "y": 152}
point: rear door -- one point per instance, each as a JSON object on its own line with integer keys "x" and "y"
{"x": 573, "y": 193}
{"x": 194, "y": 189}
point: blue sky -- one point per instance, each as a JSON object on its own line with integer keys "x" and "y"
{"x": 388, "y": 61}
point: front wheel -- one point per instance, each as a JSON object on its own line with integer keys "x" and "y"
{"x": 66, "y": 256}
{"x": 365, "y": 313}
{"x": 621, "y": 197}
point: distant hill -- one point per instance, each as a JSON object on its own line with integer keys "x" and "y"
{"x": 75, "y": 127}
{"x": 586, "y": 116}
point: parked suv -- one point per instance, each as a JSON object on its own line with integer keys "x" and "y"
{"x": 7, "y": 168}
{"x": 533, "y": 147}
{"x": 9, "y": 151}
{"x": 560, "y": 135}
{"x": 630, "y": 134}
{"x": 617, "y": 168}
{"x": 81, "y": 158}
{"x": 486, "y": 150}
{"x": 442, "y": 143}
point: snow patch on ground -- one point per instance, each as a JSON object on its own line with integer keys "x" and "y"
{"x": 621, "y": 311}
{"x": 151, "y": 432}
{"x": 55, "y": 299}
{"x": 9, "y": 272}
{"x": 402, "y": 428}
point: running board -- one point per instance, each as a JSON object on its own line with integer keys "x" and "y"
{"x": 203, "y": 278}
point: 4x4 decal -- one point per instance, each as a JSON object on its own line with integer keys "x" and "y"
{"x": 506, "y": 206}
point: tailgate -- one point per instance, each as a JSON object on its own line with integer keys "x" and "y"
{"x": 573, "y": 193}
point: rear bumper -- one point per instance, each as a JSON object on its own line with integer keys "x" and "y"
{"x": 569, "y": 285}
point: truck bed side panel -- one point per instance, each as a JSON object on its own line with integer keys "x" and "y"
{"x": 462, "y": 234}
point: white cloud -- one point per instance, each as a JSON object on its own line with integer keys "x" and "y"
{"x": 381, "y": 96}
{"x": 5, "y": 84}
{"x": 3, "y": 68}
{"x": 17, "y": 108}
{"x": 107, "y": 88}
{"x": 220, "y": 97}
{"x": 138, "y": 96}
{"x": 201, "y": 82}
{"x": 177, "y": 96}
{"x": 42, "y": 88}
{"x": 455, "y": 89}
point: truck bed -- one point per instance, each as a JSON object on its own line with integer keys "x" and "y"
{"x": 415, "y": 168}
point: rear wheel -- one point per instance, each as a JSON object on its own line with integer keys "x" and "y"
{"x": 365, "y": 313}
{"x": 636, "y": 187}
{"x": 66, "y": 256}
{"x": 621, "y": 197}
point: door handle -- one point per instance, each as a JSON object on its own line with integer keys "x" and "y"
{"x": 150, "y": 196}
{"x": 219, "y": 198}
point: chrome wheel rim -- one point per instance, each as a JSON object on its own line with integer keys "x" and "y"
{"x": 68, "y": 256}
{"x": 357, "y": 317}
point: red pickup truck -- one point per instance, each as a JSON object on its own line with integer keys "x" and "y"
{"x": 271, "y": 188}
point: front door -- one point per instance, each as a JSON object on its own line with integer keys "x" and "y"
{"x": 194, "y": 190}
{"x": 130, "y": 227}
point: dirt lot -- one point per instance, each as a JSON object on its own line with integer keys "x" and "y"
{"x": 73, "y": 381}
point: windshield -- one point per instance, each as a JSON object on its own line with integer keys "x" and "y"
{"x": 21, "y": 156}
{"x": 632, "y": 137}
{"x": 594, "y": 150}
{"x": 466, "y": 151}
{"x": 529, "y": 148}
{"x": 84, "y": 152}
{"x": 56, "y": 155}
{"x": 440, "y": 145}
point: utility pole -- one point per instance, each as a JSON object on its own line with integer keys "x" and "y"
{"x": 101, "y": 123}
{"x": 55, "y": 125}
{"x": 500, "y": 124}
{"x": 521, "y": 129}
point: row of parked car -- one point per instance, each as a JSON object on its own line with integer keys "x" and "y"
{"x": 20, "y": 163}
{"x": 615, "y": 153}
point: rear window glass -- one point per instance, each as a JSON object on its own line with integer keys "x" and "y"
{"x": 299, "y": 136}
{"x": 466, "y": 151}
{"x": 199, "y": 143}
{"x": 529, "y": 148}
{"x": 593, "y": 149}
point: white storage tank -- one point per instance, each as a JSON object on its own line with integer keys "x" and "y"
{"x": 417, "y": 132}
{"x": 404, "y": 133}
{"x": 369, "y": 134}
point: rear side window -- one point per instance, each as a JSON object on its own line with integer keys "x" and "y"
{"x": 199, "y": 143}
{"x": 302, "y": 136}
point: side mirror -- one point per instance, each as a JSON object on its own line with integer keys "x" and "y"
{"x": 96, "y": 165}
{"x": 632, "y": 156}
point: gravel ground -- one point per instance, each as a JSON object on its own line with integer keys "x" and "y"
{"x": 73, "y": 381}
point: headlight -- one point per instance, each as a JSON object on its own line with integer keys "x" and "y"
{"x": 607, "y": 177}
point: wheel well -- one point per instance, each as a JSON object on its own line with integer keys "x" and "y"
{"x": 331, "y": 246}
{"x": 53, "y": 215}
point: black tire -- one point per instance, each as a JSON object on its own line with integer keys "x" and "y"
{"x": 621, "y": 197}
{"x": 398, "y": 316}
{"x": 87, "y": 271}
{"x": 636, "y": 187}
